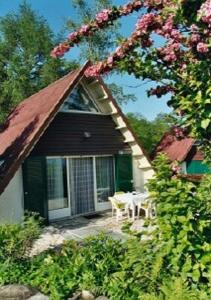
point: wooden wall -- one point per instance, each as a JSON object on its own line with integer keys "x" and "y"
{"x": 66, "y": 136}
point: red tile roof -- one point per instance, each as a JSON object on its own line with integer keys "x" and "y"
{"x": 176, "y": 149}
{"x": 28, "y": 121}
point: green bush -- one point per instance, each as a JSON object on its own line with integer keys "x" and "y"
{"x": 16, "y": 239}
{"x": 173, "y": 263}
{"x": 76, "y": 266}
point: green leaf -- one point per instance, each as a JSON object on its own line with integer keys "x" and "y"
{"x": 205, "y": 123}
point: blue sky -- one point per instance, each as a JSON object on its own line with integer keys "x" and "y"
{"x": 56, "y": 11}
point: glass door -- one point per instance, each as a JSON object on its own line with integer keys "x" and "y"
{"x": 81, "y": 185}
{"x": 58, "y": 203}
{"x": 104, "y": 181}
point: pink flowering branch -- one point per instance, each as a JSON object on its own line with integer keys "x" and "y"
{"x": 146, "y": 25}
{"x": 205, "y": 12}
{"x": 139, "y": 36}
{"x": 103, "y": 19}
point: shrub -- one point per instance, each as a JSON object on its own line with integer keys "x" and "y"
{"x": 174, "y": 262}
{"x": 16, "y": 239}
{"x": 74, "y": 266}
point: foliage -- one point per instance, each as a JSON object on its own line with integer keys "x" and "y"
{"x": 183, "y": 219}
{"x": 171, "y": 261}
{"x": 98, "y": 46}
{"x": 16, "y": 239}
{"x": 74, "y": 266}
{"x": 180, "y": 65}
{"x": 151, "y": 132}
{"x": 25, "y": 65}
{"x": 119, "y": 95}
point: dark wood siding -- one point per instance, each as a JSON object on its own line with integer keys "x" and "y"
{"x": 65, "y": 136}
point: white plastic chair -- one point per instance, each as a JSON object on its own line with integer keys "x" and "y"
{"x": 119, "y": 208}
{"x": 146, "y": 207}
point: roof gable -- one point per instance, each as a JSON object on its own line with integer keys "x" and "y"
{"x": 79, "y": 100}
{"x": 28, "y": 121}
{"x": 175, "y": 149}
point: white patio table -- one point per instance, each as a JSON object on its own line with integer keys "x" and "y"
{"x": 131, "y": 200}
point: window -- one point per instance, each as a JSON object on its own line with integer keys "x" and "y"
{"x": 57, "y": 183}
{"x": 104, "y": 178}
{"x": 79, "y": 100}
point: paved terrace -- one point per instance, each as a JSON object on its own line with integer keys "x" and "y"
{"x": 80, "y": 228}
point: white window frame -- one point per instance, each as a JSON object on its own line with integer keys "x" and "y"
{"x": 63, "y": 212}
{"x": 98, "y": 112}
{"x": 99, "y": 206}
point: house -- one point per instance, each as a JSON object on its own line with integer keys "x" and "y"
{"x": 65, "y": 149}
{"x": 186, "y": 151}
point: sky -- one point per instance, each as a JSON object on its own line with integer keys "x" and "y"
{"x": 56, "y": 12}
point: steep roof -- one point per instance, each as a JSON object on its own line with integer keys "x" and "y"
{"x": 28, "y": 121}
{"x": 176, "y": 149}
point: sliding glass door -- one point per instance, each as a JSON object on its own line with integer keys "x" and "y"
{"x": 58, "y": 203}
{"x": 81, "y": 185}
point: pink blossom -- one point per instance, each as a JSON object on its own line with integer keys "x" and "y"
{"x": 94, "y": 71}
{"x": 207, "y": 32}
{"x": 73, "y": 36}
{"x": 205, "y": 12}
{"x": 194, "y": 28}
{"x": 179, "y": 132}
{"x": 146, "y": 43}
{"x": 168, "y": 26}
{"x": 159, "y": 91}
{"x": 110, "y": 61}
{"x": 119, "y": 52}
{"x": 184, "y": 67}
{"x": 103, "y": 15}
{"x": 170, "y": 52}
{"x": 171, "y": 57}
{"x": 202, "y": 48}
{"x": 84, "y": 29}
{"x": 176, "y": 35}
{"x": 137, "y": 4}
{"x": 128, "y": 8}
{"x": 144, "y": 22}
{"x": 195, "y": 38}
{"x": 60, "y": 50}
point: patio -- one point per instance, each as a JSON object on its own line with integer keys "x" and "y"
{"x": 82, "y": 227}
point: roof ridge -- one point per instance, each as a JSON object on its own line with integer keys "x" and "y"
{"x": 26, "y": 140}
{"x": 52, "y": 84}
{"x": 3, "y": 124}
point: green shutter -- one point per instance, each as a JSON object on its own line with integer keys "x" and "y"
{"x": 35, "y": 186}
{"x": 197, "y": 167}
{"x": 123, "y": 173}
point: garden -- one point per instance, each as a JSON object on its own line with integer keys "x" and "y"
{"x": 174, "y": 262}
